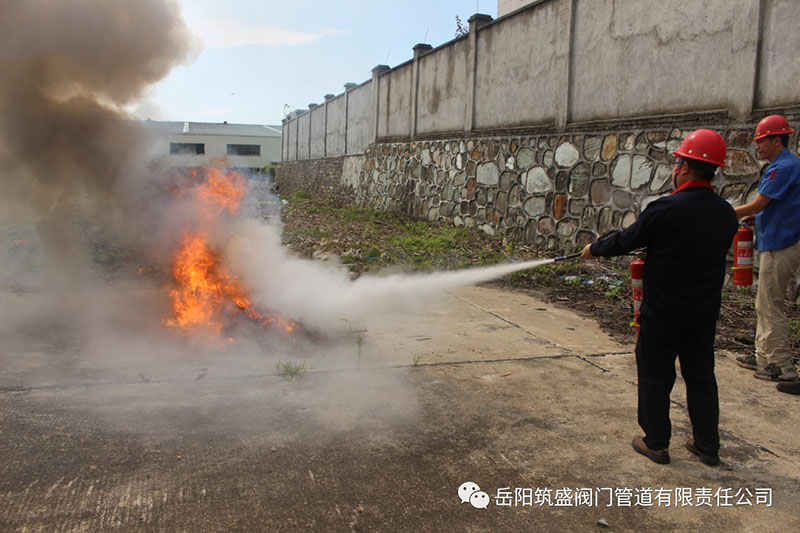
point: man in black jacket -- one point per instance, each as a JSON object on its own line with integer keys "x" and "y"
{"x": 687, "y": 236}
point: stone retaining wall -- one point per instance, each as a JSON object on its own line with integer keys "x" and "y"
{"x": 314, "y": 177}
{"x": 559, "y": 191}
{"x": 555, "y": 190}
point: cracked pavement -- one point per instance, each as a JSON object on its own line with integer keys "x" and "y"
{"x": 488, "y": 386}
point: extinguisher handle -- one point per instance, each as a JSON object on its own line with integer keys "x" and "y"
{"x": 641, "y": 253}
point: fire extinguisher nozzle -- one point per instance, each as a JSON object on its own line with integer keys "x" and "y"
{"x": 565, "y": 257}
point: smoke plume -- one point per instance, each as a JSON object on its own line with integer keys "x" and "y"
{"x": 320, "y": 295}
{"x": 68, "y": 151}
{"x": 68, "y": 68}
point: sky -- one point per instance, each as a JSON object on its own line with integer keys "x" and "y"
{"x": 259, "y": 59}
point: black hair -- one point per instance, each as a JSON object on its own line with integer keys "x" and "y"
{"x": 784, "y": 137}
{"x": 702, "y": 169}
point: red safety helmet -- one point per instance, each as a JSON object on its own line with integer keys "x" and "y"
{"x": 703, "y": 145}
{"x": 772, "y": 125}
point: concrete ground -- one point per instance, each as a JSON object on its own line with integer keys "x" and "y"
{"x": 528, "y": 401}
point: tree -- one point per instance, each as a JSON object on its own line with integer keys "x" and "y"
{"x": 461, "y": 29}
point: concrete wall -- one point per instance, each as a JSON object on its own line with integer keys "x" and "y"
{"x": 627, "y": 62}
{"x": 303, "y": 127}
{"x": 778, "y": 80}
{"x": 441, "y": 97}
{"x": 285, "y": 141}
{"x": 317, "y": 132}
{"x": 564, "y": 65}
{"x": 360, "y": 123}
{"x": 335, "y": 132}
{"x": 291, "y": 136}
{"x": 396, "y": 87}
{"x": 522, "y": 68}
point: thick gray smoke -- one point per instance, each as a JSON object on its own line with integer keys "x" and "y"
{"x": 72, "y": 166}
{"x": 68, "y": 66}
{"x": 68, "y": 153}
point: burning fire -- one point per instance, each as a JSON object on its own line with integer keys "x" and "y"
{"x": 222, "y": 190}
{"x": 206, "y": 293}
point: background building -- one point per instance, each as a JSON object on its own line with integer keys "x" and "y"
{"x": 507, "y": 6}
{"x": 247, "y": 147}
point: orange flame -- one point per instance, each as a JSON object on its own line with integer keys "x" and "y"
{"x": 206, "y": 294}
{"x": 222, "y": 190}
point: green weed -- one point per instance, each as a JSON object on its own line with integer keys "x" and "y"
{"x": 371, "y": 254}
{"x": 355, "y": 213}
{"x": 317, "y": 233}
{"x": 614, "y": 293}
{"x": 350, "y": 259}
{"x": 290, "y": 369}
{"x": 488, "y": 258}
{"x": 794, "y": 331}
{"x": 358, "y": 334}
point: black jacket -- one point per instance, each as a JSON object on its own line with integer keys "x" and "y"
{"x": 687, "y": 235}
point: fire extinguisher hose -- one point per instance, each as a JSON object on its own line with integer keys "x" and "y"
{"x": 565, "y": 257}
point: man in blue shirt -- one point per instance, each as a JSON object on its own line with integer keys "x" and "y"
{"x": 777, "y": 214}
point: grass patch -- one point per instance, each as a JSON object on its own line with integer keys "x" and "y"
{"x": 355, "y": 213}
{"x": 371, "y": 254}
{"x": 429, "y": 246}
{"x": 290, "y": 369}
{"x": 318, "y": 233}
{"x": 615, "y": 293}
{"x": 794, "y": 332}
{"x": 350, "y": 259}
{"x": 368, "y": 239}
{"x": 491, "y": 257}
{"x": 358, "y": 335}
{"x": 544, "y": 274}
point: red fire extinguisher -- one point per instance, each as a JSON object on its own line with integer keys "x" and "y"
{"x": 743, "y": 257}
{"x": 637, "y": 283}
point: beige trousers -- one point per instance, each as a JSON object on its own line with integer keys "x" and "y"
{"x": 772, "y": 332}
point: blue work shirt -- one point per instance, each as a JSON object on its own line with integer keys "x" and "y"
{"x": 778, "y": 224}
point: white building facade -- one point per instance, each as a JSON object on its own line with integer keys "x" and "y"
{"x": 248, "y": 148}
{"x": 505, "y": 7}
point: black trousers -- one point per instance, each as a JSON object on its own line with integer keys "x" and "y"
{"x": 658, "y": 345}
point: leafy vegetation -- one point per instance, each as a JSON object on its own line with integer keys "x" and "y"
{"x": 290, "y": 369}
{"x": 368, "y": 239}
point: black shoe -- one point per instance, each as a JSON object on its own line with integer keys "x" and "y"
{"x": 789, "y": 387}
{"x": 747, "y": 361}
{"x": 705, "y": 458}
{"x": 775, "y": 373}
{"x": 657, "y": 456}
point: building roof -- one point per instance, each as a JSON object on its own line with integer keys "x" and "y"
{"x": 211, "y": 128}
